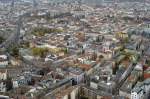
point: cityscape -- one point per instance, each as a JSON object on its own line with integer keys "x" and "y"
{"x": 74, "y": 49}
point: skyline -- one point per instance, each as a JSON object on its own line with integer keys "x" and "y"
{"x": 74, "y": 49}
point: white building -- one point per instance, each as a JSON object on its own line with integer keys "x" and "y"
{"x": 106, "y": 46}
{"x": 15, "y": 84}
{"x": 140, "y": 89}
{"x": 2, "y": 87}
{"x": 94, "y": 82}
{"x": 3, "y": 60}
{"x": 3, "y": 77}
{"x": 137, "y": 94}
{"x": 77, "y": 74}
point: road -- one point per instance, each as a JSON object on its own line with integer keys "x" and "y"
{"x": 61, "y": 60}
{"x": 122, "y": 79}
{"x": 95, "y": 91}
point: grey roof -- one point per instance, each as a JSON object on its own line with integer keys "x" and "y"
{"x": 140, "y": 86}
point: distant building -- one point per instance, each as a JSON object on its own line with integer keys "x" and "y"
{"x": 2, "y": 87}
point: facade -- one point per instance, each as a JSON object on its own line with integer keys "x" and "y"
{"x": 140, "y": 90}
{"x": 3, "y": 74}
{"x": 93, "y": 85}
{"x": 2, "y": 87}
{"x": 3, "y": 61}
{"x": 3, "y": 77}
{"x": 147, "y": 85}
{"x": 137, "y": 94}
{"x": 106, "y": 46}
{"x": 21, "y": 80}
{"x": 77, "y": 75}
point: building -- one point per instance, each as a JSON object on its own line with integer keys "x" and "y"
{"x": 22, "y": 80}
{"x": 77, "y": 74}
{"x": 3, "y": 77}
{"x": 140, "y": 89}
{"x": 122, "y": 35}
{"x": 69, "y": 92}
{"x": 137, "y": 93}
{"x": 3, "y": 74}
{"x": 3, "y": 61}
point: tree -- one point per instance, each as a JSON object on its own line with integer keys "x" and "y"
{"x": 25, "y": 44}
{"x": 1, "y": 39}
{"x": 101, "y": 57}
{"x": 115, "y": 68}
{"x": 82, "y": 51}
{"x": 98, "y": 39}
{"x": 148, "y": 61}
{"x": 83, "y": 97}
{"x": 40, "y": 52}
{"x": 122, "y": 48}
{"x": 41, "y": 72}
{"x": 32, "y": 82}
{"x": 41, "y": 31}
{"x": 94, "y": 57}
{"x": 14, "y": 50}
{"x": 65, "y": 50}
{"x": 141, "y": 77}
{"x": 9, "y": 84}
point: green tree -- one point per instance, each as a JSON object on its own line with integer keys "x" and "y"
{"x": 98, "y": 39}
{"x": 14, "y": 51}
{"x": 101, "y": 57}
{"x": 94, "y": 57}
{"x": 40, "y": 52}
{"x": 65, "y": 50}
{"x": 115, "y": 68}
{"x": 25, "y": 44}
{"x": 1, "y": 39}
{"x": 9, "y": 84}
{"x": 41, "y": 31}
{"x": 83, "y": 51}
